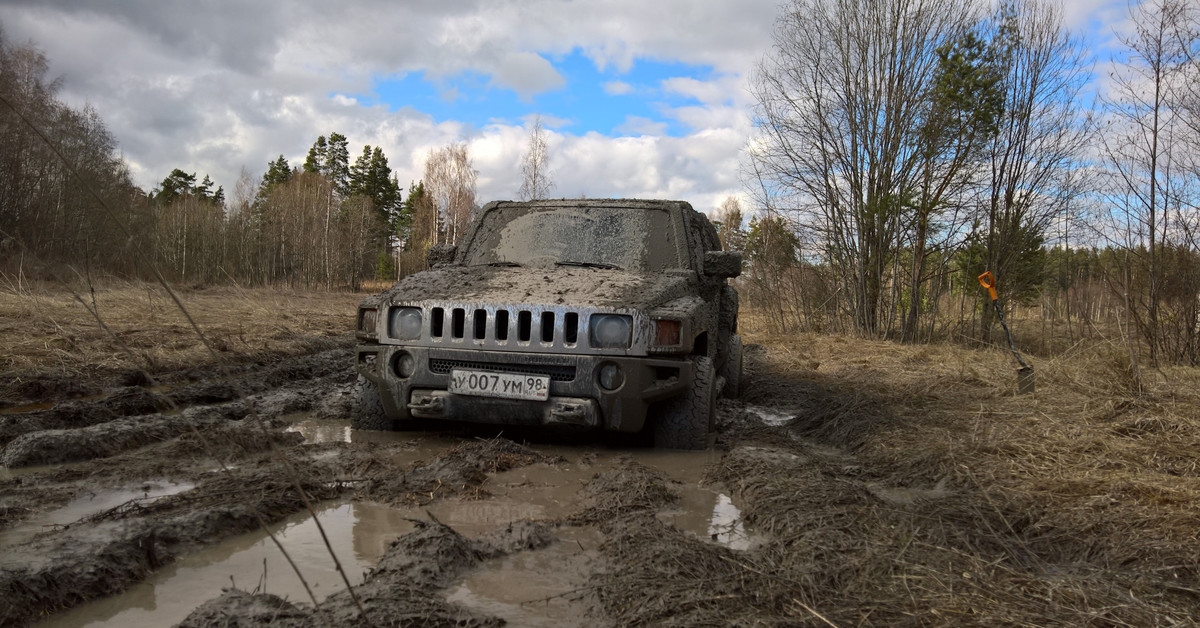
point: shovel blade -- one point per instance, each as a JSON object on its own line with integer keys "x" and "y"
{"x": 1025, "y": 382}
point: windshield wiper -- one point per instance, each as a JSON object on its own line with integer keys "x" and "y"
{"x": 589, "y": 265}
{"x": 504, "y": 264}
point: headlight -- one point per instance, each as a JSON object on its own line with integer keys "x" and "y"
{"x": 366, "y": 320}
{"x": 611, "y": 331}
{"x": 404, "y": 323}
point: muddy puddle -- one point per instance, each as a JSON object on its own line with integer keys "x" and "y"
{"x": 771, "y": 416}
{"x": 8, "y": 474}
{"x": 357, "y": 532}
{"x": 88, "y": 505}
{"x": 532, "y": 588}
{"x": 537, "y": 588}
{"x": 27, "y": 408}
{"x": 319, "y": 430}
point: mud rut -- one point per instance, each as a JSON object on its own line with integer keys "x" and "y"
{"x": 778, "y": 524}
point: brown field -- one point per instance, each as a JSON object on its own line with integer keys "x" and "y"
{"x": 896, "y": 485}
{"x": 52, "y": 332}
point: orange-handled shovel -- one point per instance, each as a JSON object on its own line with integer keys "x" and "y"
{"x": 1025, "y": 383}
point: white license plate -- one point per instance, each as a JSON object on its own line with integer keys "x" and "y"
{"x": 503, "y": 385}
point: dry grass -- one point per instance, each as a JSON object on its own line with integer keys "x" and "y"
{"x": 927, "y": 492}
{"x": 48, "y": 333}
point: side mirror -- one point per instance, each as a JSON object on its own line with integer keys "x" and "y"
{"x": 441, "y": 254}
{"x": 727, "y": 264}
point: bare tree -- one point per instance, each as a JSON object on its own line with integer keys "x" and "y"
{"x": 842, "y": 99}
{"x": 1141, "y": 150}
{"x": 728, "y": 218}
{"x": 1033, "y": 160}
{"x": 450, "y": 184}
{"x": 535, "y": 165}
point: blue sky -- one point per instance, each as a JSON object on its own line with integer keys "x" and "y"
{"x": 590, "y": 99}
{"x": 640, "y": 99}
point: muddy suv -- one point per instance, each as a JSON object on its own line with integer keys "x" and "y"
{"x": 605, "y": 314}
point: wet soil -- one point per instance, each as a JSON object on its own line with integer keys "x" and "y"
{"x": 244, "y": 499}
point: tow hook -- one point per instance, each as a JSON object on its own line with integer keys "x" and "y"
{"x": 427, "y": 405}
{"x": 569, "y": 413}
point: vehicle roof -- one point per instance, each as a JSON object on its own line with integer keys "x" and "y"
{"x": 631, "y": 203}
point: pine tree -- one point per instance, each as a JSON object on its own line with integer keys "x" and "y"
{"x": 316, "y": 156}
{"x": 337, "y": 164}
{"x": 174, "y": 186}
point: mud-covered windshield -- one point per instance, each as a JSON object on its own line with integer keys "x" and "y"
{"x": 634, "y": 239}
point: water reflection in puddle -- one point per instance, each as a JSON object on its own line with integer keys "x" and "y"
{"x": 321, "y": 431}
{"x": 773, "y": 418}
{"x": 317, "y": 431}
{"x": 87, "y": 505}
{"x": 358, "y": 533}
{"x": 710, "y": 515}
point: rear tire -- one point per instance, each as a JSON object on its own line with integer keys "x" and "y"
{"x": 368, "y": 412}
{"x": 687, "y": 421}
{"x": 732, "y": 371}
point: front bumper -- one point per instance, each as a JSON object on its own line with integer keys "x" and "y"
{"x": 576, "y": 396}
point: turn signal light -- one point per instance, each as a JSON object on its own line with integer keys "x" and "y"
{"x": 667, "y": 333}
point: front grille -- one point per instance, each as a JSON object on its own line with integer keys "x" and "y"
{"x": 555, "y": 372}
{"x": 500, "y": 325}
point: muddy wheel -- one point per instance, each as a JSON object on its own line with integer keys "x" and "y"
{"x": 732, "y": 371}
{"x": 686, "y": 422}
{"x": 368, "y": 412}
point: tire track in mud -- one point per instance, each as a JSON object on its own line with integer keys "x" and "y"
{"x": 628, "y": 578}
{"x": 107, "y": 551}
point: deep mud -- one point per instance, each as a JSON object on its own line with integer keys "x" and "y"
{"x": 151, "y": 506}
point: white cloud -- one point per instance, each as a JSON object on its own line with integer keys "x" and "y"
{"x": 227, "y": 84}
{"x": 527, "y": 74}
{"x": 638, "y": 125}
{"x": 708, "y": 92}
{"x": 617, "y": 88}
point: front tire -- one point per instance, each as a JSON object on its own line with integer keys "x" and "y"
{"x": 368, "y": 412}
{"x": 687, "y": 421}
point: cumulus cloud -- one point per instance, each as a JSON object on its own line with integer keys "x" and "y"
{"x": 638, "y": 125}
{"x": 223, "y": 86}
{"x": 617, "y": 88}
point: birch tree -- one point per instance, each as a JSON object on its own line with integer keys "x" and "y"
{"x": 535, "y": 165}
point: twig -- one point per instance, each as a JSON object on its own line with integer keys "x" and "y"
{"x": 815, "y": 613}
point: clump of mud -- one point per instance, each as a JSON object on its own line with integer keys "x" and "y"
{"x": 110, "y": 438}
{"x": 461, "y": 471}
{"x": 236, "y": 608}
{"x": 630, "y": 490}
{"x": 73, "y": 414}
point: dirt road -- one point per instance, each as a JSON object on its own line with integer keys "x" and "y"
{"x": 839, "y": 491}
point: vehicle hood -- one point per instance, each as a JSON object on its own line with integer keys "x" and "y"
{"x": 573, "y": 287}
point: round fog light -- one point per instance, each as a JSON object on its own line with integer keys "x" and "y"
{"x": 406, "y": 365}
{"x": 611, "y": 377}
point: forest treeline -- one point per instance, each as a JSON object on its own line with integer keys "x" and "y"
{"x": 902, "y": 148}
{"x": 67, "y": 201}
